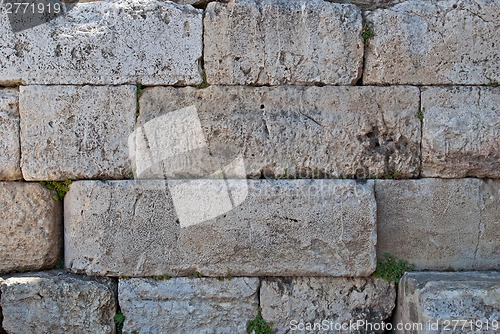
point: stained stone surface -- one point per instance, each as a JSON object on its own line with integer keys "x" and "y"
{"x": 9, "y": 135}
{"x": 107, "y": 42}
{"x": 188, "y": 305}
{"x": 282, "y": 42}
{"x": 30, "y": 227}
{"x": 221, "y": 227}
{"x": 76, "y": 132}
{"x": 434, "y": 43}
{"x": 460, "y": 132}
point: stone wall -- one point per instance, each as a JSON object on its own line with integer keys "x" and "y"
{"x": 232, "y": 161}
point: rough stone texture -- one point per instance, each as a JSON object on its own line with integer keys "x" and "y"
{"x": 76, "y": 132}
{"x": 286, "y": 131}
{"x": 107, "y": 42}
{"x": 445, "y": 298}
{"x": 282, "y": 42}
{"x": 188, "y": 305}
{"x": 434, "y": 42}
{"x": 278, "y": 228}
{"x": 56, "y": 303}
{"x": 301, "y": 302}
{"x": 9, "y": 135}
{"x": 30, "y": 227}
{"x": 461, "y": 131}
{"x": 440, "y": 224}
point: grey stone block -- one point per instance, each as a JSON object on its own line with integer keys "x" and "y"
{"x": 9, "y": 135}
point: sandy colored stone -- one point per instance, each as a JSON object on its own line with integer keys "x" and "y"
{"x": 286, "y": 132}
{"x": 9, "y": 135}
{"x": 440, "y": 224}
{"x": 449, "y": 299}
{"x": 461, "y": 129}
{"x": 221, "y": 227}
{"x": 55, "y": 303}
{"x": 434, "y": 43}
{"x": 76, "y": 132}
{"x": 30, "y": 227}
{"x": 298, "y": 303}
{"x": 107, "y": 42}
{"x": 188, "y": 305}
{"x": 282, "y": 42}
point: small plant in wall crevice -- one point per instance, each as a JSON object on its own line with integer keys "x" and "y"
{"x": 260, "y": 326}
{"x": 391, "y": 268}
{"x": 60, "y": 187}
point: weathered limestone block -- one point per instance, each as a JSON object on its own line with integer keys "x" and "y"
{"x": 188, "y": 305}
{"x": 440, "y": 224}
{"x": 55, "y": 303}
{"x": 434, "y": 42}
{"x": 76, "y": 132}
{"x": 282, "y": 42}
{"x": 438, "y": 301}
{"x": 287, "y": 132}
{"x": 9, "y": 135}
{"x": 30, "y": 227}
{"x": 301, "y": 303}
{"x": 221, "y": 227}
{"x": 461, "y": 132}
{"x": 107, "y": 42}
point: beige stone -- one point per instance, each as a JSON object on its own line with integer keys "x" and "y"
{"x": 30, "y": 227}
{"x": 9, "y": 135}
{"x": 282, "y": 42}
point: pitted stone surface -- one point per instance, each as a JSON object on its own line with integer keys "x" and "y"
{"x": 271, "y": 227}
{"x": 107, "y": 42}
{"x": 76, "y": 132}
{"x": 434, "y": 42}
{"x": 56, "y": 303}
{"x": 300, "y": 302}
{"x": 287, "y": 132}
{"x": 188, "y": 305}
{"x": 460, "y": 132}
{"x": 10, "y": 155}
{"x": 282, "y": 42}
{"x": 30, "y": 227}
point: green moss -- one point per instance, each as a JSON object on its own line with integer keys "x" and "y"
{"x": 119, "y": 320}
{"x": 259, "y": 325}
{"x": 367, "y": 33}
{"x": 162, "y": 278}
{"x": 420, "y": 115}
{"x": 204, "y": 83}
{"x": 391, "y": 268}
{"x": 59, "y": 264}
{"x": 60, "y": 187}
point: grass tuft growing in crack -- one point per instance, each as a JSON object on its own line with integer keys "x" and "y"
{"x": 259, "y": 325}
{"x": 367, "y": 33}
{"x": 391, "y": 268}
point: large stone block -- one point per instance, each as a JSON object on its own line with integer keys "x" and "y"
{"x": 76, "y": 132}
{"x": 221, "y": 227}
{"x": 440, "y": 224}
{"x": 434, "y": 42}
{"x": 30, "y": 227}
{"x": 56, "y": 303}
{"x": 286, "y": 132}
{"x": 461, "y": 131}
{"x": 10, "y": 149}
{"x": 282, "y": 42}
{"x": 107, "y": 42}
{"x": 437, "y": 302}
{"x": 188, "y": 305}
{"x": 326, "y": 305}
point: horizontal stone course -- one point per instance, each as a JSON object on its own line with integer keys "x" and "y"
{"x": 9, "y": 135}
{"x": 30, "y": 227}
{"x": 282, "y": 42}
{"x": 106, "y": 42}
{"x": 434, "y": 42}
{"x": 188, "y": 305}
{"x": 221, "y": 227}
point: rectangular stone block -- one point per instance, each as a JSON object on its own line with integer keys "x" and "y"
{"x": 221, "y": 227}
{"x": 282, "y": 42}
{"x": 56, "y": 302}
{"x": 440, "y": 224}
{"x": 461, "y": 131}
{"x": 30, "y": 227}
{"x": 106, "y": 42}
{"x": 438, "y": 42}
{"x": 326, "y": 305}
{"x": 276, "y": 132}
{"x": 76, "y": 132}
{"x": 9, "y": 135}
{"x": 188, "y": 305}
{"x": 440, "y": 302}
